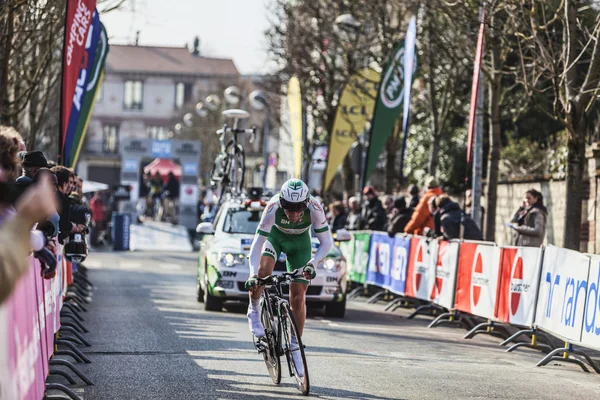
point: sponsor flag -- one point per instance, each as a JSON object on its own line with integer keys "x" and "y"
{"x": 84, "y": 99}
{"x": 389, "y": 100}
{"x": 295, "y": 112}
{"x": 410, "y": 63}
{"x": 354, "y": 110}
{"x": 77, "y": 25}
{"x": 475, "y": 85}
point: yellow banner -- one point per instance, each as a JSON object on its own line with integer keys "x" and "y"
{"x": 295, "y": 112}
{"x": 355, "y": 109}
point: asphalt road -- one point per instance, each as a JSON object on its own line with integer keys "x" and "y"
{"x": 152, "y": 340}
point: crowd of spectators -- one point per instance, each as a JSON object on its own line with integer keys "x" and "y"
{"x": 41, "y": 204}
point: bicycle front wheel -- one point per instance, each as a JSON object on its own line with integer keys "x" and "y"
{"x": 271, "y": 353}
{"x": 288, "y": 330}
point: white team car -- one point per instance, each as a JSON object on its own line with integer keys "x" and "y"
{"x": 223, "y": 263}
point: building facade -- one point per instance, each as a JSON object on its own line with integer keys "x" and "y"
{"x": 145, "y": 92}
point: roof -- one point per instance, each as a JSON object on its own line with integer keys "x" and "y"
{"x": 165, "y": 60}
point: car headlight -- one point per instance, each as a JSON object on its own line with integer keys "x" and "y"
{"x": 232, "y": 259}
{"x": 330, "y": 265}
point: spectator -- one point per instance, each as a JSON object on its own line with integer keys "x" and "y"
{"x": 373, "y": 215}
{"x": 451, "y": 218}
{"x": 65, "y": 179}
{"x": 414, "y": 197}
{"x": 468, "y": 205}
{"x": 172, "y": 197}
{"x": 400, "y": 217}
{"x": 32, "y": 162}
{"x": 15, "y": 227}
{"x": 98, "y": 217}
{"x": 340, "y": 218}
{"x": 421, "y": 217}
{"x": 353, "y": 218}
{"x": 530, "y": 220}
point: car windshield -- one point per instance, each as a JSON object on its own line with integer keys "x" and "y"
{"x": 241, "y": 220}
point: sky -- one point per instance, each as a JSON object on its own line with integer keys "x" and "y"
{"x": 227, "y": 28}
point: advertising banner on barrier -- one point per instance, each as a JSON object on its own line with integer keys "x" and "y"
{"x": 519, "y": 282}
{"x": 477, "y": 284}
{"x": 420, "y": 273}
{"x": 347, "y": 249}
{"x": 358, "y": 271}
{"x": 445, "y": 274}
{"x": 380, "y": 260}
{"x": 590, "y": 335}
{"x": 562, "y": 294}
{"x": 25, "y": 358}
{"x": 4, "y": 371}
{"x": 399, "y": 264}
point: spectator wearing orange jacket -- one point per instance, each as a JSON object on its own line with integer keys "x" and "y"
{"x": 421, "y": 217}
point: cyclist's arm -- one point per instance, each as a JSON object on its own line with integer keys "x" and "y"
{"x": 264, "y": 228}
{"x": 322, "y": 232}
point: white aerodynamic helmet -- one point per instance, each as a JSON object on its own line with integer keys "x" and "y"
{"x": 294, "y": 195}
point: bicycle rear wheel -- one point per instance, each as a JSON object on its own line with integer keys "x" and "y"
{"x": 271, "y": 354}
{"x": 288, "y": 329}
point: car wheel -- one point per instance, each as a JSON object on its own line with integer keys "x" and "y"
{"x": 211, "y": 303}
{"x": 199, "y": 291}
{"x": 336, "y": 309}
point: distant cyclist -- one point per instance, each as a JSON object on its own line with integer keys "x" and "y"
{"x": 290, "y": 213}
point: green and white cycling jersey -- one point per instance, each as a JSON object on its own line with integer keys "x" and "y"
{"x": 277, "y": 234}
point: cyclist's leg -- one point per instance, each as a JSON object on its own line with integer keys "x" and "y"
{"x": 300, "y": 252}
{"x": 267, "y": 264}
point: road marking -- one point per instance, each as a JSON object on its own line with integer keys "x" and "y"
{"x": 93, "y": 264}
{"x": 129, "y": 264}
{"x": 169, "y": 266}
{"x": 328, "y": 322}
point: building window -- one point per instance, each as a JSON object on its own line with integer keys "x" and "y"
{"x": 110, "y": 139}
{"x": 157, "y": 132}
{"x": 134, "y": 93}
{"x": 183, "y": 94}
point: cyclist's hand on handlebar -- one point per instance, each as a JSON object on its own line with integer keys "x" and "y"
{"x": 251, "y": 283}
{"x": 309, "y": 272}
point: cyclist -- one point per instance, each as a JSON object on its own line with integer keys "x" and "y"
{"x": 291, "y": 213}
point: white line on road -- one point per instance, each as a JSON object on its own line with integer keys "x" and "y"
{"x": 129, "y": 264}
{"x": 169, "y": 266}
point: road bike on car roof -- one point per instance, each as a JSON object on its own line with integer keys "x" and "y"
{"x": 229, "y": 168}
{"x": 280, "y": 326}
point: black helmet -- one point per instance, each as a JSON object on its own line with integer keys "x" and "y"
{"x": 76, "y": 250}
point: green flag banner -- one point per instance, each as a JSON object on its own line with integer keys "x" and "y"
{"x": 387, "y": 108}
{"x": 357, "y": 270}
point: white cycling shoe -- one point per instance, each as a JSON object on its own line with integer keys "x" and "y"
{"x": 255, "y": 324}
{"x": 297, "y": 356}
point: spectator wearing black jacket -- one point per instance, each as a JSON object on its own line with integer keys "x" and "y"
{"x": 65, "y": 178}
{"x": 450, "y": 218}
{"x": 340, "y": 218}
{"x": 373, "y": 214}
{"x": 400, "y": 216}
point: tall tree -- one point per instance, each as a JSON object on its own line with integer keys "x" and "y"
{"x": 560, "y": 57}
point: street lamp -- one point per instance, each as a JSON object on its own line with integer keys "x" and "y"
{"x": 232, "y": 95}
{"x": 258, "y": 101}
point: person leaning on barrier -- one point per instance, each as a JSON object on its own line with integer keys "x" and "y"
{"x": 451, "y": 218}
{"x": 422, "y": 217}
{"x": 30, "y": 206}
{"x": 400, "y": 217}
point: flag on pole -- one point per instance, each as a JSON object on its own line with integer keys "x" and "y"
{"x": 389, "y": 100}
{"x": 354, "y": 110}
{"x": 475, "y": 86}
{"x": 295, "y": 112}
{"x": 410, "y": 65}
{"x": 77, "y": 26}
{"x": 95, "y": 76}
